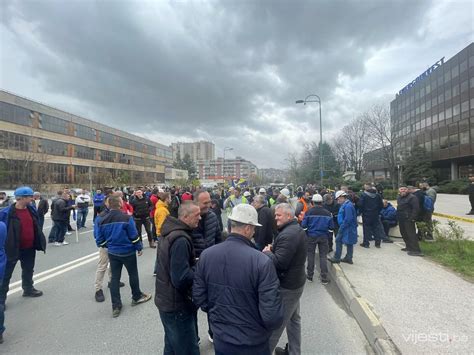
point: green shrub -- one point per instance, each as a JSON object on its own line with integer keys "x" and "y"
{"x": 454, "y": 187}
{"x": 390, "y": 194}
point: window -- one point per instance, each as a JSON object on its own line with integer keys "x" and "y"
{"x": 13, "y": 141}
{"x": 455, "y": 90}
{"x": 463, "y": 66}
{"x": 58, "y": 173}
{"x": 447, "y": 94}
{"x": 464, "y": 137}
{"x": 471, "y": 82}
{"x": 107, "y": 138}
{"x": 443, "y": 142}
{"x": 471, "y": 61}
{"x": 137, "y": 146}
{"x": 455, "y": 71}
{"x": 464, "y": 86}
{"x": 124, "y": 142}
{"x": 138, "y": 161}
{"x": 428, "y": 88}
{"x": 456, "y": 109}
{"x": 448, "y": 113}
{"x": 53, "y": 124}
{"x": 48, "y": 146}
{"x": 84, "y": 152}
{"x": 85, "y": 132}
{"x": 447, "y": 76}
{"x": 465, "y": 106}
{"x": 453, "y": 140}
{"x": 125, "y": 159}
{"x": 440, "y": 98}
{"x": 105, "y": 155}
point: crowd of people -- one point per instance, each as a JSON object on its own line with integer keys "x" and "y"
{"x": 248, "y": 275}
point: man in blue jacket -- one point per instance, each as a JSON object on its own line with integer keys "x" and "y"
{"x": 347, "y": 234}
{"x": 3, "y": 263}
{"x": 388, "y": 216}
{"x": 318, "y": 224}
{"x": 99, "y": 198}
{"x": 238, "y": 287}
{"x": 116, "y": 231}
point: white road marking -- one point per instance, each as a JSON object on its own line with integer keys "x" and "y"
{"x": 14, "y": 284}
{"x": 18, "y": 289}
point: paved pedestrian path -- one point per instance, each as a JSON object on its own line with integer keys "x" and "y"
{"x": 424, "y": 307}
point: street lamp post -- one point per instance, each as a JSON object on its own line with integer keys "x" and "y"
{"x": 223, "y": 163}
{"x": 316, "y": 98}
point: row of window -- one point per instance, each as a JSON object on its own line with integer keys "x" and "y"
{"x": 18, "y": 172}
{"x": 15, "y": 114}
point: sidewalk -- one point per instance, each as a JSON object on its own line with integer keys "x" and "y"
{"x": 423, "y": 307}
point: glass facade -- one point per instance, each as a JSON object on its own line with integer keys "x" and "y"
{"x": 52, "y": 147}
{"x": 438, "y": 112}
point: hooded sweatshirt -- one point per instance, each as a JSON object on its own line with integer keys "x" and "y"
{"x": 370, "y": 204}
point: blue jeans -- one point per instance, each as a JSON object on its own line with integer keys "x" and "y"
{"x": 338, "y": 252}
{"x": 81, "y": 217}
{"x": 180, "y": 332}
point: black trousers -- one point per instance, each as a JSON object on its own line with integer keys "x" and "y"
{"x": 27, "y": 261}
{"x": 97, "y": 210}
{"x": 471, "y": 200}
{"x": 116, "y": 264}
{"x": 387, "y": 225}
{"x": 143, "y": 221}
{"x": 408, "y": 232}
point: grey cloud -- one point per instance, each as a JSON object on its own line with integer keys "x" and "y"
{"x": 189, "y": 67}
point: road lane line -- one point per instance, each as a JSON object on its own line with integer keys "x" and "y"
{"x": 18, "y": 289}
{"x": 14, "y": 284}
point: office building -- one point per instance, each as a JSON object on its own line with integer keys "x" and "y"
{"x": 49, "y": 148}
{"x": 201, "y": 150}
{"x": 217, "y": 169}
{"x": 436, "y": 111}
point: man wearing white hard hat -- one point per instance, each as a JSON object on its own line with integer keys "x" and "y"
{"x": 318, "y": 224}
{"x": 347, "y": 234}
{"x": 234, "y": 275}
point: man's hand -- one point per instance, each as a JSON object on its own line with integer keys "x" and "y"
{"x": 140, "y": 252}
{"x": 267, "y": 248}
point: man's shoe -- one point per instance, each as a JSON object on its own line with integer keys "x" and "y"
{"x": 387, "y": 241}
{"x": 364, "y": 245}
{"x": 347, "y": 261}
{"x": 116, "y": 312}
{"x": 57, "y": 244}
{"x": 99, "y": 296}
{"x": 404, "y": 249}
{"x": 281, "y": 351}
{"x": 470, "y": 213}
{"x": 310, "y": 278}
{"x": 65, "y": 243}
{"x": 325, "y": 281}
{"x": 68, "y": 233}
{"x": 1, "y": 338}
{"x": 32, "y": 293}
{"x": 377, "y": 246}
{"x": 121, "y": 284}
{"x": 145, "y": 298}
{"x": 330, "y": 250}
{"x": 152, "y": 245}
{"x": 334, "y": 261}
{"x": 415, "y": 253}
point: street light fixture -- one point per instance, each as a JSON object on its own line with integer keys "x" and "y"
{"x": 316, "y": 98}
{"x": 223, "y": 163}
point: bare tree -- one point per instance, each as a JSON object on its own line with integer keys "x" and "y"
{"x": 351, "y": 145}
{"x": 377, "y": 120}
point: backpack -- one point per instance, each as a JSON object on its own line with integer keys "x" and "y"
{"x": 428, "y": 204}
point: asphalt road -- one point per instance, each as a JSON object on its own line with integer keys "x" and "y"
{"x": 67, "y": 320}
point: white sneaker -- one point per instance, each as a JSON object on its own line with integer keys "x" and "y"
{"x": 57, "y": 244}
{"x": 65, "y": 243}
{"x": 68, "y": 233}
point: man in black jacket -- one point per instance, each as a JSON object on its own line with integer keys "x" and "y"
{"x": 174, "y": 280}
{"x": 263, "y": 234}
{"x": 60, "y": 216}
{"x": 141, "y": 214}
{"x": 370, "y": 205}
{"x": 470, "y": 190}
{"x": 288, "y": 254}
{"x": 407, "y": 211}
{"x": 42, "y": 206}
{"x": 238, "y": 287}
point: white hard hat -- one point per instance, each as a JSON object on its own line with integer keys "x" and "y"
{"x": 340, "y": 193}
{"x": 231, "y": 188}
{"x": 246, "y": 193}
{"x": 285, "y": 192}
{"x": 245, "y": 214}
{"x": 317, "y": 198}
{"x": 262, "y": 190}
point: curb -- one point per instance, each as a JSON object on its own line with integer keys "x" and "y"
{"x": 456, "y": 218}
{"x": 371, "y": 326}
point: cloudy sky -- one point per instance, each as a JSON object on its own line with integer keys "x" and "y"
{"x": 225, "y": 71}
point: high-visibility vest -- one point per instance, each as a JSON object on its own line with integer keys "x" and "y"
{"x": 303, "y": 212}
